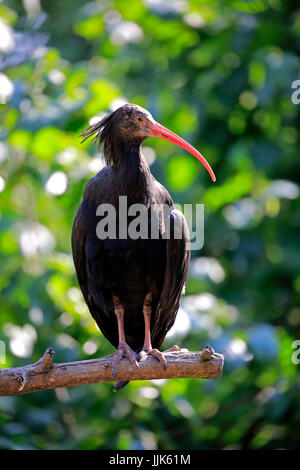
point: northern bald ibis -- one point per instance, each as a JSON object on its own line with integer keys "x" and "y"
{"x": 131, "y": 285}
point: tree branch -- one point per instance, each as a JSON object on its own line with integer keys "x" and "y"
{"x": 45, "y": 375}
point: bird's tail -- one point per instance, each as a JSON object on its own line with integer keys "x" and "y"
{"x": 120, "y": 384}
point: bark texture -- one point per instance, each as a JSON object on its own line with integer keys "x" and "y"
{"x": 45, "y": 375}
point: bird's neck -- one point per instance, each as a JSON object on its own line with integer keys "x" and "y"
{"x": 133, "y": 171}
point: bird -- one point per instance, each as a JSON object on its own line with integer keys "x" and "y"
{"x": 132, "y": 285}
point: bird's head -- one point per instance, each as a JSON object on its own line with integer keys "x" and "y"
{"x": 131, "y": 124}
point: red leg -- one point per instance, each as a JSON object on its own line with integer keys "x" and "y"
{"x": 147, "y": 347}
{"x": 123, "y": 349}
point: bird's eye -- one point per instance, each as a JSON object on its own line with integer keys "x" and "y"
{"x": 140, "y": 119}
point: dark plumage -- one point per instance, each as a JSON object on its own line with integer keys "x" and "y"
{"x": 116, "y": 275}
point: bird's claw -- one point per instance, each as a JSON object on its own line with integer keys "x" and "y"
{"x": 123, "y": 351}
{"x": 156, "y": 353}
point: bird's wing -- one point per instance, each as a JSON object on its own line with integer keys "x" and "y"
{"x": 177, "y": 266}
{"x": 78, "y": 250}
{"x": 84, "y": 249}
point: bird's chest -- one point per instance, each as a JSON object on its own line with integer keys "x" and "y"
{"x": 125, "y": 263}
{"x": 124, "y": 244}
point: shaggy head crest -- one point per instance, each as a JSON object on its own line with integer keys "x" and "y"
{"x": 102, "y": 133}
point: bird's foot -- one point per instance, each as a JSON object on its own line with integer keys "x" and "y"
{"x": 153, "y": 352}
{"x": 123, "y": 351}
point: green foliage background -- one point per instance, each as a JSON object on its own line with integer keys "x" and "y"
{"x": 218, "y": 73}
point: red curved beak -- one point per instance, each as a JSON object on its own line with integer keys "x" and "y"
{"x": 157, "y": 130}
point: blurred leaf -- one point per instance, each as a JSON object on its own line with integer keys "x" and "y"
{"x": 181, "y": 172}
{"x": 90, "y": 28}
